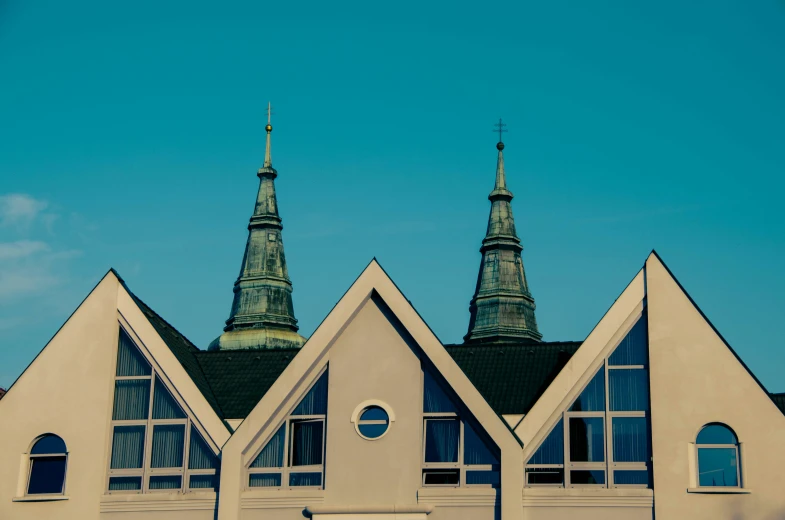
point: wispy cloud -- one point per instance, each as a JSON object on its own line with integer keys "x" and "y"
{"x": 20, "y": 210}
{"x": 21, "y": 249}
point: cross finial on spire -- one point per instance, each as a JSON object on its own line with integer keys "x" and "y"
{"x": 268, "y": 161}
{"x": 500, "y": 128}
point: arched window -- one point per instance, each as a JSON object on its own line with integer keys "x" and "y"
{"x": 718, "y": 457}
{"x": 48, "y": 458}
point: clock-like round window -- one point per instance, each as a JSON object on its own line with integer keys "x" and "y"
{"x": 373, "y": 422}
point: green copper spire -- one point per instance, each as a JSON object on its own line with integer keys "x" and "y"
{"x": 502, "y": 308}
{"x": 262, "y": 311}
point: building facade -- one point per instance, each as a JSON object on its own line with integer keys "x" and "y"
{"x": 653, "y": 415}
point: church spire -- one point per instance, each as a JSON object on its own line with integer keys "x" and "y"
{"x": 502, "y": 308}
{"x": 262, "y": 314}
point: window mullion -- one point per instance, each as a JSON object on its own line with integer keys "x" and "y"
{"x": 148, "y": 452}
{"x": 608, "y": 432}
{"x": 186, "y": 457}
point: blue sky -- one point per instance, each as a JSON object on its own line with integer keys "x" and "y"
{"x": 130, "y": 138}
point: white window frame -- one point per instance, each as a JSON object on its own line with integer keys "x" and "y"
{"x": 146, "y": 471}
{"x": 698, "y": 447}
{"x": 287, "y": 469}
{"x": 31, "y": 459}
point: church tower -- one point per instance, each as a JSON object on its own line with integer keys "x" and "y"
{"x": 262, "y": 315}
{"x": 502, "y": 309}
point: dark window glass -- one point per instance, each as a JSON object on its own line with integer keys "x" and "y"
{"x": 717, "y": 467}
{"x": 629, "y": 389}
{"x": 441, "y": 440}
{"x": 315, "y": 401}
{"x": 483, "y": 477}
{"x": 265, "y": 480}
{"x": 130, "y": 362}
{"x": 47, "y": 475}
{"x": 307, "y": 443}
{"x": 127, "y": 447}
{"x": 305, "y": 479}
{"x": 164, "y": 405}
{"x": 204, "y": 482}
{"x": 633, "y": 349}
{"x": 271, "y": 455}
{"x": 168, "y": 446}
{"x": 592, "y": 399}
{"x": 551, "y": 451}
{"x": 621, "y": 478}
{"x": 716, "y": 434}
{"x": 166, "y": 482}
{"x": 587, "y": 439}
{"x": 630, "y": 439}
{"x": 373, "y": 422}
{"x": 200, "y": 456}
{"x": 587, "y": 477}
{"x": 125, "y": 483}
{"x": 441, "y": 477}
{"x": 374, "y": 413}
{"x": 131, "y": 399}
{"x": 48, "y": 444}
{"x": 475, "y": 448}
{"x": 545, "y": 475}
{"x": 435, "y": 399}
{"x": 372, "y": 431}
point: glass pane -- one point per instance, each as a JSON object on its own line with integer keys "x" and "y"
{"x": 441, "y": 477}
{"x": 128, "y": 447}
{"x": 125, "y": 483}
{"x": 434, "y": 398}
{"x": 633, "y": 348}
{"x": 587, "y": 439}
{"x": 374, "y": 413}
{"x": 592, "y": 399}
{"x": 200, "y": 455}
{"x": 716, "y": 434}
{"x": 305, "y": 479}
{"x": 164, "y": 405}
{"x": 307, "y": 443}
{"x": 131, "y": 399}
{"x": 271, "y": 455}
{"x": 168, "y": 446}
{"x": 315, "y": 401}
{"x": 166, "y": 482}
{"x": 717, "y": 467}
{"x": 483, "y": 477}
{"x": 203, "y": 482}
{"x": 265, "y": 480}
{"x": 629, "y": 388}
{"x": 630, "y": 439}
{"x": 545, "y": 475}
{"x": 622, "y": 478}
{"x": 130, "y": 362}
{"x": 48, "y": 444}
{"x": 587, "y": 477}
{"x": 372, "y": 431}
{"x": 47, "y": 476}
{"x": 551, "y": 451}
{"x": 475, "y": 450}
{"x": 441, "y": 440}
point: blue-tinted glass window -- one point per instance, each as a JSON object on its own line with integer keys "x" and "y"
{"x": 587, "y": 439}
{"x": 582, "y": 477}
{"x": 48, "y": 444}
{"x": 633, "y": 477}
{"x": 131, "y": 399}
{"x": 203, "y": 482}
{"x": 130, "y": 362}
{"x": 307, "y": 439}
{"x": 475, "y": 448}
{"x": 716, "y": 434}
{"x": 125, "y": 483}
{"x": 630, "y": 439}
{"x": 551, "y": 451}
{"x": 166, "y": 482}
{"x": 483, "y": 477}
{"x": 265, "y": 480}
{"x": 717, "y": 467}
{"x": 127, "y": 447}
{"x": 545, "y": 476}
{"x": 373, "y": 422}
{"x": 271, "y": 455}
{"x": 164, "y": 405}
{"x": 47, "y": 475}
{"x": 305, "y": 479}
{"x": 315, "y": 401}
{"x": 629, "y": 389}
{"x": 168, "y": 446}
{"x": 592, "y": 399}
{"x": 633, "y": 349}
{"x": 435, "y": 399}
{"x": 200, "y": 456}
{"x": 441, "y": 440}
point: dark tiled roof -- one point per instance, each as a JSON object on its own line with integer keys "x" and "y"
{"x": 779, "y": 400}
{"x": 240, "y": 378}
{"x": 512, "y": 376}
{"x": 2, "y": 392}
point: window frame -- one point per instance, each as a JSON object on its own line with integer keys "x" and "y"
{"x": 31, "y": 461}
{"x": 189, "y": 425}
{"x": 736, "y": 447}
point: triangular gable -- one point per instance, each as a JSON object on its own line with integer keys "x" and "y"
{"x": 142, "y": 331}
{"x": 372, "y": 281}
{"x": 582, "y": 366}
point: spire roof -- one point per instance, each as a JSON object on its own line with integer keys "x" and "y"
{"x": 502, "y": 308}
{"x": 262, "y": 314}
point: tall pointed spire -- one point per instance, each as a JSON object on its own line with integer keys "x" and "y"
{"x": 502, "y": 309}
{"x": 262, "y": 314}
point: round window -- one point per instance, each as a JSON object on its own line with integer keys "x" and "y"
{"x": 373, "y": 422}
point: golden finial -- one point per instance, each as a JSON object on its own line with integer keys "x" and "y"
{"x": 269, "y": 127}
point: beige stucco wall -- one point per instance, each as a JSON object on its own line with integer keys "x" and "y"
{"x": 695, "y": 380}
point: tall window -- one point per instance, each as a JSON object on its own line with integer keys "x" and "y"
{"x": 294, "y": 456}
{"x": 718, "y": 457}
{"x": 155, "y": 445}
{"x": 455, "y": 452}
{"x": 48, "y": 458}
{"x": 614, "y": 407}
